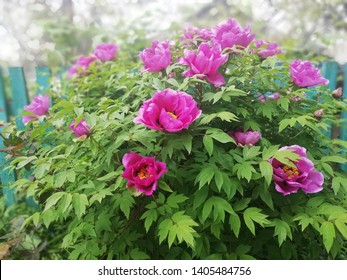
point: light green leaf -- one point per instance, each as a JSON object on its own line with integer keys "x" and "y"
{"x": 327, "y": 230}
{"x": 208, "y": 143}
{"x": 53, "y": 199}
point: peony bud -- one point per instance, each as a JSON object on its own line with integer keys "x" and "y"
{"x": 319, "y": 114}
{"x": 337, "y": 93}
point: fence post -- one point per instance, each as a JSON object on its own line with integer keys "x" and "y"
{"x": 330, "y": 70}
{"x": 19, "y": 94}
{"x": 6, "y": 176}
{"x": 343, "y": 129}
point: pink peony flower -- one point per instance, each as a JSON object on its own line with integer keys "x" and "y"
{"x": 248, "y": 138}
{"x": 303, "y": 176}
{"x": 39, "y": 106}
{"x": 142, "y": 173}
{"x": 106, "y": 52}
{"x": 81, "y": 129}
{"x": 205, "y": 63}
{"x": 267, "y": 49}
{"x": 192, "y": 32}
{"x": 275, "y": 96}
{"x": 81, "y": 66}
{"x": 168, "y": 110}
{"x": 157, "y": 57}
{"x": 230, "y": 34}
{"x": 304, "y": 74}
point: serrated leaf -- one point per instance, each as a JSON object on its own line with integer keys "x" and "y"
{"x": 53, "y": 199}
{"x": 227, "y": 116}
{"x": 174, "y": 199}
{"x": 327, "y": 230}
{"x": 266, "y": 171}
{"x": 342, "y": 227}
{"x": 235, "y": 224}
{"x": 79, "y": 203}
{"x": 253, "y": 214}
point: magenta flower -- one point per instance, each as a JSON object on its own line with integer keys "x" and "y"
{"x": 168, "y": 110}
{"x": 266, "y": 49}
{"x": 192, "y": 32}
{"x": 39, "y": 106}
{"x": 248, "y": 138}
{"x": 230, "y": 34}
{"x": 142, "y": 173}
{"x": 157, "y": 57}
{"x": 205, "y": 63}
{"x": 80, "y": 129}
{"x": 303, "y": 176}
{"x": 81, "y": 66}
{"x": 106, "y": 52}
{"x": 304, "y": 74}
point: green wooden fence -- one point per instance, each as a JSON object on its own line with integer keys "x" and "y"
{"x": 13, "y": 107}
{"x": 18, "y": 92}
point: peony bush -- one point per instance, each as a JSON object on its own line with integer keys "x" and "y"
{"x": 204, "y": 147}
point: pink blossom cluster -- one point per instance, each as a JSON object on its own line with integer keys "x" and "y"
{"x": 102, "y": 52}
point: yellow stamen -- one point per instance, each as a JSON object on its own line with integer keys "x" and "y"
{"x": 143, "y": 173}
{"x": 290, "y": 171}
{"x": 172, "y": 115}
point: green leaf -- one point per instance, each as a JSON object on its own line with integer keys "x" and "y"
{"x": 53, "y": 199}
{"x": 337, "y": 159}
{"x": 251, "y": 215}
{"x": 241, "y": 204}
{"x": 205, "y": 176}
{"x": 65, "y": 202}
{"x": 266, "y": 171}
{"x": 149, "y": 216}
{"x": 227, "y": 116}
{"x": 164, "y": 186}
{"x": 164, "y": 228}
{"x": 328, "y": 169}
{"x": 125, "y": 203}
{"x": 219, "y": 135}
{"x": 219, "y": 179}
{"x": 200, "y": 197}
{"x": 287, "y": 157}
{"x": 25, "y": 160}
{"x": 270, "y": 152}
{"x": 187, "y": 142}
{"x": 219, "y": 206}
{"x": 282, "y": 231}
{"x": 59, "y": 179}
{"x": 173, "y": 82}
{"x": 135, "y": 254}
{"x": 208, "y": 143}
{"x": 79, "y": 203}
{"x": 235, "y": 224}
{"x": 341, "y": 226}
{"x": 174, "y": 199}
{"x": 109, "y": 176}
{"x": 244, "y": 170}
{"x": 327, "y": 230}
{"x": 250, "y": 152}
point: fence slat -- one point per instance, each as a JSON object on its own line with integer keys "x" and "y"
{"x": 19, "y": 94}
{"x": 343, "y": 129}
{"x": 43, "y": 75}
{"x": 3, "y": 107}
{"x": 330, "y": 70}
{"x": 6, "y": 176}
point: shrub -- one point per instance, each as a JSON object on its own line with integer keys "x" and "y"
{"x": 243, "y": 180}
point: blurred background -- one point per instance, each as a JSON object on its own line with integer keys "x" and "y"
{"x": 55, "y": 32}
